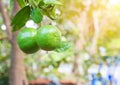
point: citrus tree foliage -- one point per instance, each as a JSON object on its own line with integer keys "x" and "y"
{"x": 34, "y": 9}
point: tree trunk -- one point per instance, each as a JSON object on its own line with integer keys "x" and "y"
{"x": 17, "y": 71}
{"x": 80, "y": 43}
{"x": 93, "y": 48}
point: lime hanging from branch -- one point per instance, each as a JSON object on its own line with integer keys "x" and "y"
{"x": 48, "y": 37}
{"x": 26, "y": 40}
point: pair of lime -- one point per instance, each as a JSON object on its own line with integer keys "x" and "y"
{"x": 46, "y": 37}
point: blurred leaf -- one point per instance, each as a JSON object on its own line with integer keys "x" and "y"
{"x": 52, "y": 13}
{"x": 63, "y": 47}
{"x": 37, "y": 2}
{"x": 21, "y": 3}
{"x": 36, "y": 15}
{"x": 41, "y": 3}
{"x": 3, "y": 59}
{"x": 21, "y": 18}
{"x": 115, "y": 43}
{"x": 11, "y": 3}
{"x": 52, "y": 2}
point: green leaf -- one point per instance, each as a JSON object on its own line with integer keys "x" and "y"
{"x": 52, "y": 14}
{"x": 41, "y": 3}
{"x": 52, "y": 2}
{"x": 36, "y": 15}
{"x": 36, "y": 2}
{"x": 21, "y": 3}
{"x": 63, "y": 47}
{"x": 20, "y": 18}
{"x": 11, "y": 3}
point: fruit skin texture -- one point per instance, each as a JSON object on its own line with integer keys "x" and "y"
{"x": 48, "y": 37}
{"x": 26, "y": 40}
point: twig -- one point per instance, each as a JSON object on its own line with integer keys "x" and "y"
{"x": 6, "y": 20}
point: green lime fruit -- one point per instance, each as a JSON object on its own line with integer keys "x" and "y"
{"x": 26, "y": 40}
{"x": 48, "y": 37}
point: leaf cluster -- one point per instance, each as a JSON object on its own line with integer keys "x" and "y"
{"x": 35, "y": 10}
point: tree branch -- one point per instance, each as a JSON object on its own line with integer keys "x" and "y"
{"x": 96, "y": 34}
{"x": 6, "y": 20}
